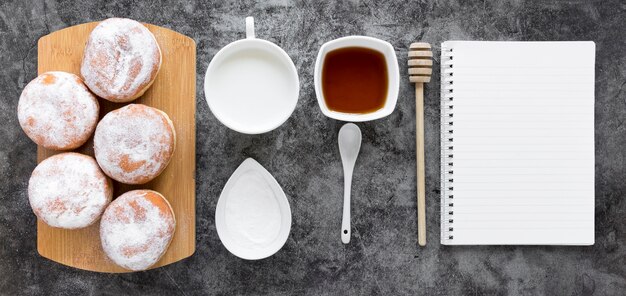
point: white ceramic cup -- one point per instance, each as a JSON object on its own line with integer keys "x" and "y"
{"x": 251, "y": 85}
{"x": 393, "y": 73}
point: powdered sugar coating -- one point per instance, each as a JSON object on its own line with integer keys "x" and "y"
{"x": 121, "y": 60}
{"x": 134, "y": 144}
{"x": 68, "y": 190}
{"x": 57, "y": 111}
{"x": 137, "y": 228}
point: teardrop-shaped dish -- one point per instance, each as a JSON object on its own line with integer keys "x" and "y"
{"x": 252, "y": 217}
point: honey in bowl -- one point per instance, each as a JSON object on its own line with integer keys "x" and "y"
{"x": 354, "y": 80}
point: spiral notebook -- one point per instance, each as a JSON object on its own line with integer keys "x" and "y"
{"x": 517, "y": 140}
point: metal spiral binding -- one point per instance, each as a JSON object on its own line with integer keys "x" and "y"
{"x": 447, "y": 143}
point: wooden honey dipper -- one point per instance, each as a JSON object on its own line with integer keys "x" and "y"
{"x": 420, "y": 69}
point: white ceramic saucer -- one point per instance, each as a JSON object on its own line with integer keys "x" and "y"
{"x": 252, "y": 217}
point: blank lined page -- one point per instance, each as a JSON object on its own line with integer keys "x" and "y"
{"x": 518, "y": 143}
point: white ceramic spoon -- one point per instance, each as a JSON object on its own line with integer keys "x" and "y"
{"x": 349, "y": 146}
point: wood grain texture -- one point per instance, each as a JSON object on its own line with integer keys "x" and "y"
{"x": 172, "y": 92}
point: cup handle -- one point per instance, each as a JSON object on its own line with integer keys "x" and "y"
{"x": 250, "y": 28}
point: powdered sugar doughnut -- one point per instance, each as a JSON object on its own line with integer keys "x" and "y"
{"x": 137, "y": 228}
{"x": 68, "y": 190}
{"x": 121, "y": 60}
{"x": 57, "y": 111}
{"x": 134, "y": 144}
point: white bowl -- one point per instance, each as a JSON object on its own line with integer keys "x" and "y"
{"x": 251, "y": 85}
{"x": 393, "y": 73}
{"x": 252, "y": 216}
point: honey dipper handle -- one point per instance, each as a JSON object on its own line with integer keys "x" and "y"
{"x": 419, "y": 147}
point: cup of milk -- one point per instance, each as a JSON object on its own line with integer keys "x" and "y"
{"x": 251, "y": 85}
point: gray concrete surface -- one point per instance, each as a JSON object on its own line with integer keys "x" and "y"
{"x": 383, "y": 257}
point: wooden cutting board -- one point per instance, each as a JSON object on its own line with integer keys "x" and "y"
{"x": 174, "y": 92}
